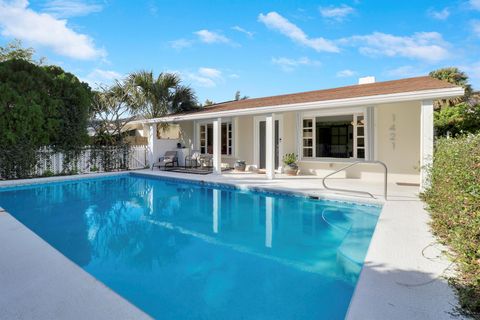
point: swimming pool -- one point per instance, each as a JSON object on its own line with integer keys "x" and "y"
{"x": 183, "y": 250}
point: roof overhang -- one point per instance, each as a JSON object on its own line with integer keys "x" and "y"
{"x": 325, "y": 104}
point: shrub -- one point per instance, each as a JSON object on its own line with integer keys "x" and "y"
{"x": 290, "y": 158}
{"x": 454, "y": 203}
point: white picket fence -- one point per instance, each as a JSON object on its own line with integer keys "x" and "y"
{"x": 92, "y": 160}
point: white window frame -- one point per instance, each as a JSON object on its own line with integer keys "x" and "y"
{"x": 364, "y": 111}
{"x": 230, "y": 142}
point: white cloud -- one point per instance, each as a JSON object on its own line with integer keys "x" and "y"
{"x": 439, "y": 15}
{"x": 205, "y": 77}
{"x": 288, "y": 64}
{"x": 181, "y": 43}
{"x": 476, "y": 27}
{"x": 99, "y": 77}
{"x": 233, "y": 76}
{"x": 427, "y": 46}
{"x": 208, "y": 36}
{"x": 242, "y": 30}
{"x": 347, "y": 73}
{"x": 475, "y": 4}
{"x": 404, "y": 71}
{"x": 70, "y": 8}
{"x": 210, "y": 73}
{"x": 18, "y": 21}
{"x": 276, "y": 22}
{"x": 337, "y": 13}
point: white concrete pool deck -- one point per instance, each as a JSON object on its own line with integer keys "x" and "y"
{"x": 402, "y": 277}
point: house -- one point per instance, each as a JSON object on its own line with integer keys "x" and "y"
{"x": 389, "y": 121}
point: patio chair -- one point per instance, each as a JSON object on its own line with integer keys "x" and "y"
{"x": 205, "y": 160}
{"x": 192, "y": 160}
{"x": 168, "y": 160}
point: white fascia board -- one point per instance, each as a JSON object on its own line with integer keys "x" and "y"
{"x": 337, "y": 103}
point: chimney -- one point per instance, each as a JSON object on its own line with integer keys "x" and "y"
{"x": 365, "y": 80}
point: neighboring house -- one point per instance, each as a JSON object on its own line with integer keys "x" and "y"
{"x": 134, "y": 132}
{"x": 389, "y": 121}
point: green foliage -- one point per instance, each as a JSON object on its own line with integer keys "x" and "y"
{"x": 156, "y": 97}
{"x": 239, "y": 97}
{"x": 109, "y": 114}
{"x": 456, "y": 77}
{"x": 290, "y": 158}
{"x": 458, "y": 119}
{"x": 39, "y": 106}
{"x": 15, "y": 51}
{"x": 454, "y": 203}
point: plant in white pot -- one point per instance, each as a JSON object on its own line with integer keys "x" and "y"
{"x": 290, "y": 161}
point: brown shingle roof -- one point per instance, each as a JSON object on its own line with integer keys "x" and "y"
{"x": 363, "y": 90}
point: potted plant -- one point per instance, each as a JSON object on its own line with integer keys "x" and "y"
{"x": 240, "y": 165}
{"x": 290, "y": 161}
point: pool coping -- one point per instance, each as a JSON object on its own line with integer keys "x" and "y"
{"x": 380, "y": 292}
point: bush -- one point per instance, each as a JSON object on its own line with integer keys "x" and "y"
{"x": 454, "y": 203}
{"x": 39, "y": 106}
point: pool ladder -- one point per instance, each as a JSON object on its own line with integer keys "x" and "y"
{"x": 358, "y": 191}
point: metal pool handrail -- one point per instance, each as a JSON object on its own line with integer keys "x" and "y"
{"x": 358, "y": 191}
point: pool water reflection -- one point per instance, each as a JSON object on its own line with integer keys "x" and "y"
{"x": 187, "y": 251}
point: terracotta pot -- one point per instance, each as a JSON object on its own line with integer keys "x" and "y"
{"x": 291, "y": 169}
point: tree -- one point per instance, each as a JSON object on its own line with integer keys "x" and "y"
{"x": 456, "y": 77}
{"x": 458, "y": 119}
{"x": 208, "y": 102}
{"x": 110, "y": 113}
{"x": 156, "y": 97}
{"x": 457, "y": 115}
{"x": 39, "y": 106}
{"x": 239, "y": 97}
{"x": 15, "y": 51}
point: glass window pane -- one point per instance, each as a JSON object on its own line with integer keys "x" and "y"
{"x": 360, "y": 142}
{"x": 307, "y": 152}
{"x": 307, "y": 123}
{"x": 361, "y": 153}
{"x": 307, "y": 142}
{"x": 360, "y": 131}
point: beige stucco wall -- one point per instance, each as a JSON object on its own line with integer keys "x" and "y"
{"x": 186, "y": 133}
{"x": 244, "y": 143}
{"x": 396, "y": 142}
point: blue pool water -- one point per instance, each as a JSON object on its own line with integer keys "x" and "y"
{"x": 181, "y": 250}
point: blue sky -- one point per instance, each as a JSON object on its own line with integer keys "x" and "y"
{"x": 258, "y": 47}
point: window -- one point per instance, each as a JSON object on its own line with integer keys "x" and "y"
{"x": 341, "y": 136}
{"x": 308, "y": 137}
{"x": 206, "y": 139}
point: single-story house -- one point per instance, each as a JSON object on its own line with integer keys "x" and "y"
{"x": 389, "y": 121}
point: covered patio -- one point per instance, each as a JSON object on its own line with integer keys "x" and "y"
{"x": 391, "y": 122}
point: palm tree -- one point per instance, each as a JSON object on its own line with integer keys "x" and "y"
{"x": 456, "y": 77}
{"x": 156, "y": 97}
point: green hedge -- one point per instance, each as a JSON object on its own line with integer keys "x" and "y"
{"x": 454, "y": 203}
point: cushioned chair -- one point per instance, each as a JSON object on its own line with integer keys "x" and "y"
{"x": 168, "y": 160}
{"x": 192, "y": 160}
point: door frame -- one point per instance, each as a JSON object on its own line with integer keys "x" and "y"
{"x": 256, "y": 137}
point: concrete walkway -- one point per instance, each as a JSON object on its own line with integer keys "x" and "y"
{"x": 401, "y": 278}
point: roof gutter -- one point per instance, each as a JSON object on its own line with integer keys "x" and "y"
{"x": 305, "y": 106}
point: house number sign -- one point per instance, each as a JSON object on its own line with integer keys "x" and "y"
{"x": 392, "y": 131}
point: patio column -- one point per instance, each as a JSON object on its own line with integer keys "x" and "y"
{"x": 426, "y": 141}
{"x": 268, "y": 221}
{"x": 217, "y": 150}
{"x": 217, "y": 198}
{"x": 152, "y": 136}
{"x": 270, "y": 146}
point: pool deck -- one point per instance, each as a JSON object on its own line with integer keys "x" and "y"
{"x": 402, "y": 277}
